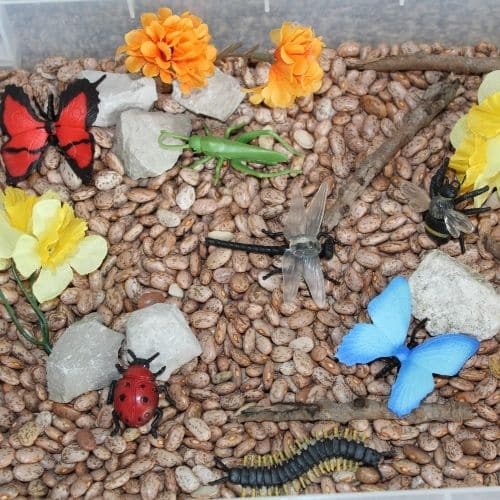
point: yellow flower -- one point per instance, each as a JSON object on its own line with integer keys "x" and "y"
{"x": 56, "y": 246}
{"x": 171, "y": 47}
{"x": 295, "y": 71}
{"x": 476, "y": 138}
{"x": 16, "y": 207}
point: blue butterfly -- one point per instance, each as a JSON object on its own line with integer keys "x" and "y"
{"x": 390, "y": 313}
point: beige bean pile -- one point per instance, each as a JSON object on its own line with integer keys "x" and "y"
{"x": 255, "y": 349}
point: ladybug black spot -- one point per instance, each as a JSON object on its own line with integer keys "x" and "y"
{"x": 123, "y": 397}
{"x": 145, "y": 399}
{"x": 127, "y": 384}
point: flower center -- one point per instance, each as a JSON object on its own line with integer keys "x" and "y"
{"x": 61, "y": 237}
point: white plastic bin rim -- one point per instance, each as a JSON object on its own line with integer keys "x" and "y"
{"x": 482, "y": 493}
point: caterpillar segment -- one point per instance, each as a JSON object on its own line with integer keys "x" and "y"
{"x": 302, "y": 463}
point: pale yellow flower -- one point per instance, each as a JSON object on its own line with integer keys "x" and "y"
{"x": 16, "y": 207}
{"x": 476, "y": 138}
{"x": 56, "y": 246}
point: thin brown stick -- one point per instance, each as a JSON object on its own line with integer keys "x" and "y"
{"x": 369, "y": 409}
{"x": 429, "y": 62}
{"x": 435, "y": 99}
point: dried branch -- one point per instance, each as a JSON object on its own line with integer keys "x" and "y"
{"x": 435, "y": 99}
{"x": 249, "y": 55}
{"x": 361, "y": 408}
{"x": 429, "y": 62}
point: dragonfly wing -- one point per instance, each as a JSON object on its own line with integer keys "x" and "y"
{"x": 391, "y": 312}
{"x": 412, "y": 384}
{"x": 292, "y": 274}
{"x": 444, "y": 355}
{"x": 313, "y": 276}
{"x": 416, "y": 197}
{"x": 295, "y": 220}
{"x": 315, "y": 211}
{"x": 363, "y": 344}
{"x": 457, "y": 223}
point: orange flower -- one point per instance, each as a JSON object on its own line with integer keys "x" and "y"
{"x": 295, "y": 71}
{"x": 171, "y": 47}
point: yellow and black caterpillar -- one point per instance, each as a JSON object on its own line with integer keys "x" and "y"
{"x": 300, "y": 465}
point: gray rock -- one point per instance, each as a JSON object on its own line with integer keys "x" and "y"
{"x": 136, "y": 141}
{"x": 219, "y": 99}
{"x": 119, "y": 92}
{"x": 454, "y": 298}
{"x": 83, "y": 359}
{"x": 162, "y": 328}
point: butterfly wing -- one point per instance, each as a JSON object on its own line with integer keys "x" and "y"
{"x": 315, "y": 211}
{"x": 292, "y": 274}
{"x": 78, "y": 108}
{"x": 295, "y": 221}
{"x": 444, "y": 355}
{"x": 313, "y": 276}
{"x": 28, "y": 137}
{"x": 391, "y": 313}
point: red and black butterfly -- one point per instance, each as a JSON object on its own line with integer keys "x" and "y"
{"x": 29, "y": 135}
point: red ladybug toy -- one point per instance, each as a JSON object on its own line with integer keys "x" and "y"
{"x": 135, "y": 396}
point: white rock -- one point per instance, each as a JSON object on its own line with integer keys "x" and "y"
{"x": 83, "y": 359}
{"x": 136, "y": 141}
{"x": 454, "y": 298}
{"x": 219, "y": 99}
{"x": 119, "y": 92}
{"x": 162, "y": 328}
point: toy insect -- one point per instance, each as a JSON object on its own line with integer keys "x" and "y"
{"x": 300, "y": 465}
{"x": 29, "y": 136}
{"x": 390, "y": 313}
{"x": 135, "y": 395}
{"x": 442, "y": 219}
{"x": 307, "y": 245}
{"x": 237, "y": 152}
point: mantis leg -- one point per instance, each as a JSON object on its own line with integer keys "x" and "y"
{"x": 218, "y": 167}
{"x": 250, "y": 136}
{"x": 200, "y": 161}
{"x": 245, "y": 169}
{"x": 165, "y": 134}
{"x": 230, "y": 130}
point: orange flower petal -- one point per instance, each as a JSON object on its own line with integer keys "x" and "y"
{"x": 164, "y": 13}
{"x": 147, "y": 18}
{"x": 150, "y": 70}
{"x": 150, "y": 49}
{"x": 166, "y": 76}
{"x": 156, "y": 31}
{"x": 135, "y": 38}
{"x": 134, "y": 64}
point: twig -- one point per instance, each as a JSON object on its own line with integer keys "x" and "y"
{"x": 435, "y": 99}
{"x": 429, "y": 62}
{"x": 251, "y": 54}
{"x": 368, "y": 409}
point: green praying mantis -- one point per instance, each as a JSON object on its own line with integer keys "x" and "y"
{"x": 236, "y": 151}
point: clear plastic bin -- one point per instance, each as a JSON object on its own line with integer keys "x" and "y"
{"x": 31, "y": 30}
{"x": 95, "y": 28}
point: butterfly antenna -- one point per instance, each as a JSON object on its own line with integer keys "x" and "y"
{"x": 97, "y": 82}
